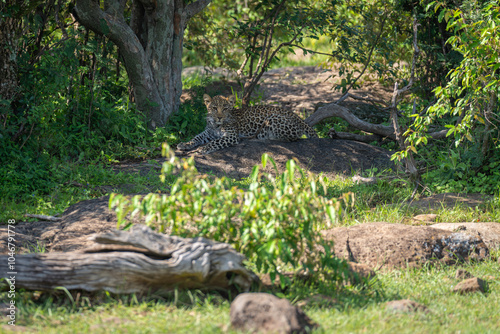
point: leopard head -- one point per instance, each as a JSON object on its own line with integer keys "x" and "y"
{"x": 219, "y": 108}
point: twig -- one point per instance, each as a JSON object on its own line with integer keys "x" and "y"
{"x": 312, "y": 51}
{"x": 43, "y": 217}
{"x": 31, "y": 130}
{"x": 369, "y": 57}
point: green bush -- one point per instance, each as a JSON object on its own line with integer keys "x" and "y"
{"x": 275, "y": 223}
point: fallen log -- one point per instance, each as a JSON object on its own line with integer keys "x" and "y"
{"x": 135, "y": 261}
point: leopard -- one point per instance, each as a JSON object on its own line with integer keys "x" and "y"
{"x": 227, "y": 125}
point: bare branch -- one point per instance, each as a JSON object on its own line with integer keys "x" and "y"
{"x": 409, "y": 161}
{"x": 312, "y": 51}
{"x": 249, "y": 88}
{"x": 368, "y": 60}
{"x": 264, "y": 55}
{"x": 335, "y": 110}
{"x": 353, "y": 136}
{"x": 239, "y": 72}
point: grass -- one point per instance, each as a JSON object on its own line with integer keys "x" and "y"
{"x": 81, "y": 182}
{"x": 384, "y": 201}
{"x": 357, "y": 309}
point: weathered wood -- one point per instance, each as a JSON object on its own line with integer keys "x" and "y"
{"x": 335, "y": 110}
{"x": 43, "y": 217}
{"x": 138, "y": 261}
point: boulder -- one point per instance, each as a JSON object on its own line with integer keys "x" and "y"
{"x": 391, "y": 246}
{"x": 265, "y": 313}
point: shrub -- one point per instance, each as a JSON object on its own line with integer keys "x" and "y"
{"x": 276, "y": 222}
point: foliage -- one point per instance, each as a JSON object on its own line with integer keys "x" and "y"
{"x": 275, "y": 223}
{"x": 468, "y": 104}
{"x": 72, "y": 107}
{"x": 371, "y": 33}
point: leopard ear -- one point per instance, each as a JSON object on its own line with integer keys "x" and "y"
{"x": 232, "y": 99}
{"x": 207, "y": 99}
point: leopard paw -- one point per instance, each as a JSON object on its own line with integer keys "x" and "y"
{"x": 185, "y": 146}
{"x": 206, "y": 150}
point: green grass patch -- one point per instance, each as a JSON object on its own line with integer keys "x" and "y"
{"x": 355, "y": 310}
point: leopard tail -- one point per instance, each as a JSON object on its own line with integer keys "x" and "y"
{"x": 309, "y": 131}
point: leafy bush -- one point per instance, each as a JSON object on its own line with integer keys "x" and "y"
{"x": 468, "y": 103}
{"x": 275, "y": 223}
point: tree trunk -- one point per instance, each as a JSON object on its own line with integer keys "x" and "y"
{"x": 9, "y": 33}
{"x": 151, "y": 47}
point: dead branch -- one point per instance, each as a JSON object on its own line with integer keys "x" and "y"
{"x": 357, "y": 97}
{"x": 137, "y": 261}
{"x": 335, "y": 110}
{"x": 353, "y": 136}
{"x": 43, "y": 217}
{"x": 368, "y": 60}
{"x": 393, "y": 132}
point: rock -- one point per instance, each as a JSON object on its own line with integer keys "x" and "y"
{"x": 405, "y": 306}
{"x": 463, "y": 274}
{"x": 78, "y": 222}
{"x": 388, "y": 246}
{"x": 426, "y": 217}
{"x": 265, "y": 313}
{"x": 470, "y": 285}
{"x": 489, "y": 232}
{"x": 359, "y": 272}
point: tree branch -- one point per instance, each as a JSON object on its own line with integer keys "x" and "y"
{"x": 335, "y": 110}
{"x": 356, "y": 97}
{"x": 312, "y": 51}
{"x": 369, "y": 55}
{"x": 195, "y": 7}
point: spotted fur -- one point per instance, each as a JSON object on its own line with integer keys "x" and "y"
{"x": 227, "y": 125}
